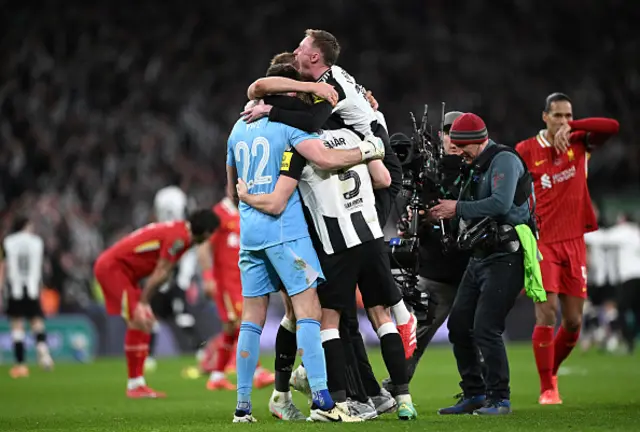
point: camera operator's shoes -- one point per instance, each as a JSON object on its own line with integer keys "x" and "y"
{"x": 495, "y": 407}
{"x": 408, "y": 333}
{"x": 465, "y": 405}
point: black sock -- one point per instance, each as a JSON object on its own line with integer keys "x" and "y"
{"x": 41, "y": 337}
{"x": 336, "y": 378}
{"x": 393, "y": 355}
{"x": 18, "y": 351}
{"x": 285, "y": 358}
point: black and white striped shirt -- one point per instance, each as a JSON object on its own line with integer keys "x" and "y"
{"x": 342, "y": 203}
{"x": 353, "y": 110}
{"x": 23, "y": 253}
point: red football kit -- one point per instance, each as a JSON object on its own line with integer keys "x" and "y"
{"x": 120, "y": 268}
{"x": 225, "y": 246}
{"x": 563, "y": 204}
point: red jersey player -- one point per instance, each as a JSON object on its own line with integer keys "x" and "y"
{"x": 150, "y": 252}
{"x": 557, "y": 158}
{"x": 218, "y": 259}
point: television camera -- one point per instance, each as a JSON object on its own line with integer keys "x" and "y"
{"x": 420, "y": 156}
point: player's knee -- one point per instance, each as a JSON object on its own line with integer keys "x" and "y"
{"x": 229, "y": 327}
{"x": 306, "y": 305}
{"x": 255, "y": 310}
{"x": 545, "y": 314}
{"x": 572, "y": 323}
{"x": 330, "y": 319}
{"x": 37, "y": 325}
{"x": 379, "y": 316}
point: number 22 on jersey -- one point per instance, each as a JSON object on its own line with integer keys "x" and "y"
{"x": 245, "y": 155}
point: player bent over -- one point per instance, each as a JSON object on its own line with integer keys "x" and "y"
{"x": 219, "y": 263}
{"x": 21, "y": 256}
{"x": 150, "y": 252}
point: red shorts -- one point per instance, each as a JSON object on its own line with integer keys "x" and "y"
{"x": 121, "y": 294}
{"x": 228, "y": 298}
{"x": 564, "y": 267}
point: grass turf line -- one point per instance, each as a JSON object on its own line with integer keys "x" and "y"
{"x": 600, "y": 392}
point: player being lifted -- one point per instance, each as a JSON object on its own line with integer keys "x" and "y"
{"x": 21, "y": 260}
{"x": 342, "y": 207}
{"x": 278, "y": 249}
{"x": 150, "y": 252}
{"x": 218, "y": 259}
{"x": 558, "y": 158}
{"x": 315, "y": 58}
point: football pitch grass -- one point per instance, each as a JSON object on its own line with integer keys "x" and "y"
{"x": 600, "y": 392}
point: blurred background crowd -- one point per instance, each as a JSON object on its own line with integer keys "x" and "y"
{"x": 102, "y": 105}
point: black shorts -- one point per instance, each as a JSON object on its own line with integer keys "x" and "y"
{"x": 25, "y": 307}
{"x": 168, "y": 304}
{"x": 365, "y": 265}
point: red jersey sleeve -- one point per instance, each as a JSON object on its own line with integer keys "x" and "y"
{"x": 593, "y": 131}
{"x": 175, "y": 243}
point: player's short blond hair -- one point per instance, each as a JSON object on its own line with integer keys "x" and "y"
{"x": 326, "y": 43}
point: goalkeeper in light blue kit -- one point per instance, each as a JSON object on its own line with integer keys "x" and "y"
{"x": 278, "y": 248}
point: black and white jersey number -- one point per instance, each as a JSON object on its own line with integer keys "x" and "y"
{"x": 350, "y": 184}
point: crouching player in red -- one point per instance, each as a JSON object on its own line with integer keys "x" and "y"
{"x": 557, "y": 158}
{"x": 150, "y": 252}
{"x": 218, "y": 259}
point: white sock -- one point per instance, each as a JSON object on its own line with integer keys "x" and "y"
{"x": 386, "y": 329}
{"x": 216, "y": 375}
{"x": 406, "y": 398}
{"x": 134, "y": 383}
{"x": 279, "y": 397}
{"x": 401, "y": 313}
{"x": 288, "y": 324}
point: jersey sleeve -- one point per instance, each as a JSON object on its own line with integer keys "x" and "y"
{"x": 231, "y": 161}
{"x": 521, "y": 148}
{"x": 174, "y": 245}
{"x": 292, "y": 164}
{"x": 309, "y": 119}
{"x": 296, "y": 136}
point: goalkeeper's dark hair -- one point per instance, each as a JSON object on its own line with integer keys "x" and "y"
{"x": 203, "y": 221}
{"x": 555, "y": 97}
{"x": 284, "y": 70}
{"x": 288, "y": 71}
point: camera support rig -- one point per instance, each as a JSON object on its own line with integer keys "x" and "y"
{"x": 426, "y": 150}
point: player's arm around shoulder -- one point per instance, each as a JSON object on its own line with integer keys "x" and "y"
{"x": 275, "y": 203}
{"x": 380, "y": 175}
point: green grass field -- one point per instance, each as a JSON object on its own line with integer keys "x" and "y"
{"x": 600, "y": 392}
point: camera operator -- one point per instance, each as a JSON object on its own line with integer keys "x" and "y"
{"x": 440, "y": 271}
{"x": 495, "y": 214}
